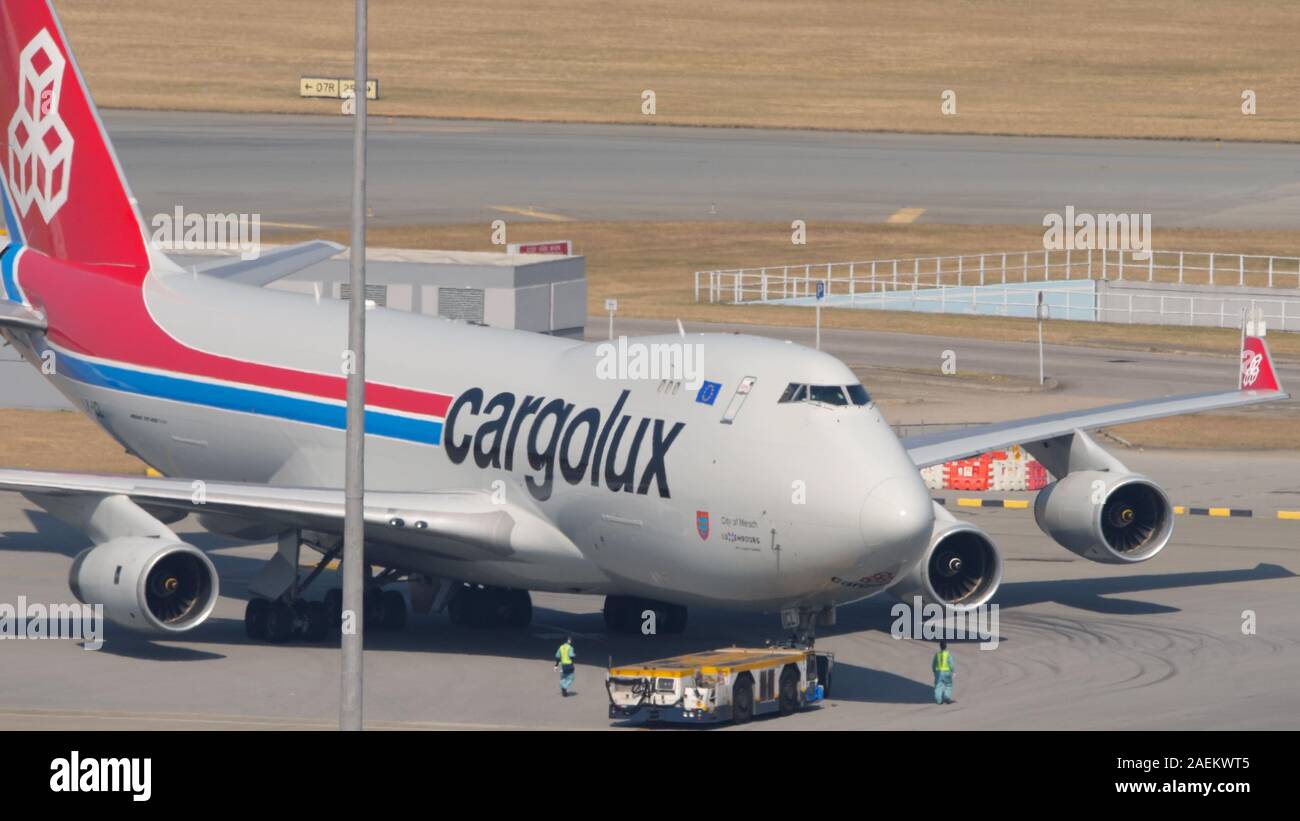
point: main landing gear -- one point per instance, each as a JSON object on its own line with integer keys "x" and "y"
{"x": 472, "y": 605}
{"x": 277, "y": 611}
{"x": 635, "y": 615}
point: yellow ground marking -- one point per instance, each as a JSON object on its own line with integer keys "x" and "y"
{"x": 333, "y": 565}
{"x": 531, "y": 212}
{"x": 152, "y": 473}
{"x": 1220, "y": 511}
{"x": 903, "y": 216}
{"x": 1289, "y": 514}
{"x": 969, "y": 502}
{"x": 1017, "y": 503}
{"x": 1179, "y": 510}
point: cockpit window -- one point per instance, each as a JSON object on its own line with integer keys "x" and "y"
{"x": 826, "y": 394}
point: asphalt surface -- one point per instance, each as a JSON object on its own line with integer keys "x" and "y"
{"x": 297, "y": 169}
{"x": 1153, "y": 646}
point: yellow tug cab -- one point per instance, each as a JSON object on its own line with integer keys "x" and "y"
{"x": 733, "y": 684}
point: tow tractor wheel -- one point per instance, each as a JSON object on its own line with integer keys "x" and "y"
{"x": 789, "y": 690}
{"x": 255, "y": 614}
{"x": 742, "y": 699}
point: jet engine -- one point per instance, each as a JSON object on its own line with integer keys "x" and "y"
{"x": 145, "y": 584}
{"x": 961, "y": 568}
{"x": 1106, "y": 516}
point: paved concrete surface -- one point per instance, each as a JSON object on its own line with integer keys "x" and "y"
{"x": 297, "y": 169}
{"x": 1086, "y": 646}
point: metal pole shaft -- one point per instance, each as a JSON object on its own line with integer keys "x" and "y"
{"x": 354, "y": 473}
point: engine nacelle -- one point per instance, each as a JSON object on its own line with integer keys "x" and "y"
{"x": 146, "y": 585}
{"x": 1106, "y": 516}
{"x": 960, "y": 569}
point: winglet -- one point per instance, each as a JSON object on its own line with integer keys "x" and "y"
{"x": 1257, "y": 373}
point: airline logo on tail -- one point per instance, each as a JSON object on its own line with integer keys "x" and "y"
{"x": 1256, "y": 367}
{"x": 40, "y": 145}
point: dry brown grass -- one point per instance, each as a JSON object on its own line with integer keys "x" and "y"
{"x": 648, "y": 268}
{"x": 1159, "y": 68}
{"x": 60, "y": 440}
{"x": 1229, "y": 431}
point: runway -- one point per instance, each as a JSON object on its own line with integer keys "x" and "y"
{"x": 1082, "y": 646}
{"x": 296, "y": 170}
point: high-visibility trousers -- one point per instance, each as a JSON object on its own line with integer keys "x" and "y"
{"x": 942, "y": 686}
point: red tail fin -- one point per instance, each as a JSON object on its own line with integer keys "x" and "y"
{"x": 1257, "y": 372}
{"x": 63, "y": 189}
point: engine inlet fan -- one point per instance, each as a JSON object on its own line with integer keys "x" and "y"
{"x": 1131, "y": 516}
{"x": 175, "y": 586}
{"x": 959, "y": 565}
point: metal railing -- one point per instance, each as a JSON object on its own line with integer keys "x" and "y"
{"x": 850, "y": 279}
{"x": 1087, "y": 304}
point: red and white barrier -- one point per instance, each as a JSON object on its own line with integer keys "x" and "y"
{"x": 997, "y": 470}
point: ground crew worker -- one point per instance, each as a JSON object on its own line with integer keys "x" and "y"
{"x": 942, "y": 666}
{"x": 564, "y": 663}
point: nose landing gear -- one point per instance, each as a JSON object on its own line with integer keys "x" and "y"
{"x": 802, "y": 622}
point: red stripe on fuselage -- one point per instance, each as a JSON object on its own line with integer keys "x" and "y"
{"x": 100, "y": 312}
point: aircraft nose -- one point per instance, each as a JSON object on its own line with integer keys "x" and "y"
{"x": 897, "y": 514}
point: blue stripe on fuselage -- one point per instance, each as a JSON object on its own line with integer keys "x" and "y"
{"x": 7, "y": 281}
{"x": 245, "y": 400}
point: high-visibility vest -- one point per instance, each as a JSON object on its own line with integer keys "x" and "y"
{"x": 941, "y": 662}
{"x": 566, "y": 653}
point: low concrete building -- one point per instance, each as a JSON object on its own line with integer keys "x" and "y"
{"x": 545, "y": 293}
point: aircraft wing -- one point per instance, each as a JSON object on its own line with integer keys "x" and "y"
{"x": 466, "y": 525}
{"x": 936, "y": 448}
{"x": 272, "y": 265}
{"x": 1257, "y": 383}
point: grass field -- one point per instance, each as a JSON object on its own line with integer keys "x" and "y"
{"x": 1159, "y": 68}
{"x": 648, "y": 267}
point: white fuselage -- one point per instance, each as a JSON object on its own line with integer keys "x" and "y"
{"x": 806, "y": 503}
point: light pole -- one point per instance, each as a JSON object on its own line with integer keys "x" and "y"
{"x": 355, "y": 441}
